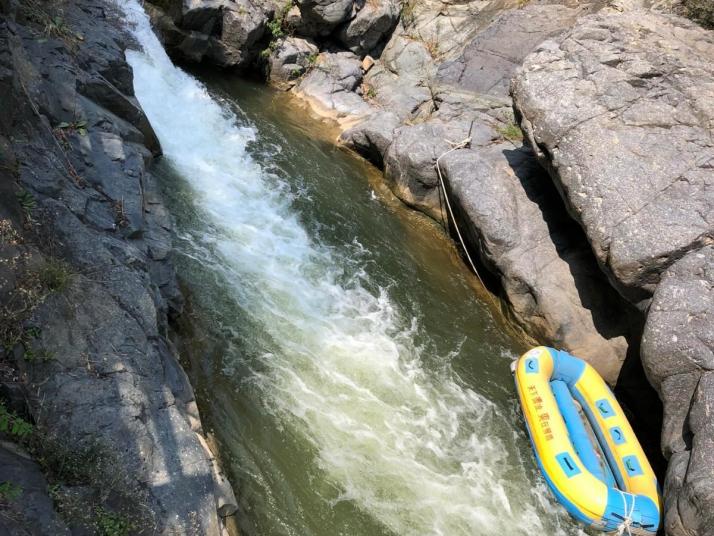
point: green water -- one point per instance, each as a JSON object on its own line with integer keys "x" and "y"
{"x": 352, "y": 371}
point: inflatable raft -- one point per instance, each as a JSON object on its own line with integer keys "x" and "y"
{"x": 584, "y": 444}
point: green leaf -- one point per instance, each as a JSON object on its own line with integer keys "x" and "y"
{"x": 63, "y": 124}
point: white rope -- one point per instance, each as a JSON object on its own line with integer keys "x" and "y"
{"x": 454, "y": 147}
{"x": 627, "y": 522}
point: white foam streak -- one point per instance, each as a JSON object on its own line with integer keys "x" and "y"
{"x": 414, "y": 452}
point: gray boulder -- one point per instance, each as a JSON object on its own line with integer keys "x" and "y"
{"x": 330, "y": 87}
{"x": 374, "y": 21}
{"x": 410, "y": 160}
{"x": 371, "y": 138}
{"x": 620, "y": 110}
{"x": 678, "y": 356}
{"x": 550, "y": 280}
{"x": 321, "y": 17}
{"x": 291, "y": 58}
{"x": 226, "y": 33}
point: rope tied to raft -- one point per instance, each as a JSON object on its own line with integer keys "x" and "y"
{"x": 455, "y": 146}
{"x": 624, "y": 527}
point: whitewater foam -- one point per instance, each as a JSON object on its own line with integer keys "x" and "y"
{"x": 417, "y": 453}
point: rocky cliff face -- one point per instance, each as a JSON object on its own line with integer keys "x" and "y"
{"x": 87, "y": 288}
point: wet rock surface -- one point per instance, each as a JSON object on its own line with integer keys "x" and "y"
{"x": 640, "y": 81}
{"x": 85, "y": 218}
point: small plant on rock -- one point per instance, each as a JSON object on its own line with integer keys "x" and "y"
{"x": 511, "y": 132}
{"x": 80, "y": 127}
{"x": 701, "y": 11}
{"x": 112, "y": 524}
{"x": 17, "y": 427}
{"x": 27, "y": 202}
{"x": 55, "y": 275}
{"x": 9, "y": 491}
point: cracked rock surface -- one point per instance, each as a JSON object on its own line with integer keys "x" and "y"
{"x": 621, "y": 111}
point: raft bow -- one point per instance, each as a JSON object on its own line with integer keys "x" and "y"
{"x": 584, "y": 444}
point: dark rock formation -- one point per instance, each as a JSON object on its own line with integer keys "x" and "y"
{"x": 94, "y": 362}
{"x": 621, "y": 110}
{"x": 678, "y": 355}
{"x": 227, "y": 33}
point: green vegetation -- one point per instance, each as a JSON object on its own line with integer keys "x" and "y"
{"x": 700, "y": 11}
{"x": 55, "y": 275}
{"x": 75, "y": 126}
{"x": 16, "y": 427}
{"x": 50, "y": 17}
{"x": 278, "y": 28}
{"x": 9, "y": 491}
{"x": 91, "y": 467}
{"x": 111, "y": 524}
{"x": 407, "y": 12}
{"x": 511, "y": 132}
{"x": 27, "y": 202}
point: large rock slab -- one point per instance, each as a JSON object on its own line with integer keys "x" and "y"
{"x": 489, "y": 61}
{"x": 621, "y": 110}
{"x": 678, "y": 356}
{"x": 550, "y": 280}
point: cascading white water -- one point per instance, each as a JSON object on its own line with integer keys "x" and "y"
{"x": 415, "y": 452}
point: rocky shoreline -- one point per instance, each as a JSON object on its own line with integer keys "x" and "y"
{"x": 582, "y": 181}
{"x": 100, "y": 429}
{"x": 575, "y": 145}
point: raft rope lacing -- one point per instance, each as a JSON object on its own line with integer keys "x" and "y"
{"x": 455, "y": 146}
{"x": 627, "y": 521}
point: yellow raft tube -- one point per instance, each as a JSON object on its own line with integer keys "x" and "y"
{"x": 593, "y": 464}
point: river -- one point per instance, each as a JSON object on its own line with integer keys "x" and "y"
{"x": 353, "y": 373}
